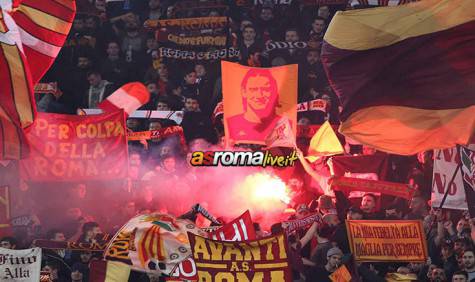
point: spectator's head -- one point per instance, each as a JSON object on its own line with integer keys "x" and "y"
{"x": 462, "y": 224}
{"x": 52, "y": 268}
{"x": 85, "y": 257}
{"x": 154, "y": 4}
{"x": 151, "y": 43}
{"x": 113, "y": 49}
{"x": 460, "y": 276}
{"x": 418, "y": 205}
{"x": 334, "y": 256}
{"x": 79, "y": 24}
{"x": 94, "y": 78}
{"x": 249, "y": 33}
{"x": 313, "y": 57}
{"x": 154, "y": 125}
{"x": 135, "y": 159}
{"x": 266, "y": 14}
{"x": 162, "y": 70}
{"x": 438, "y": 275}
{"x": 190, "y": 77}
{"x": 91, "y": 229}
{"x": 200, "y": 70}
{"x": 318, "y": 25}
{"x": 162, "y": 104}
{"x": 292, "y": 35}
{"x": 91, "y": 23}
{"x": 468, "y": 260}
{"x": 447, "y": 249}
{"x": 8, "y": 243}
{"x": 55, "y": 235}
{"x": 171, "y": 12}
{"x": 133, "y": 124}
{"x": 152, "y": 87}
{"x": 176, "y": 90}
{"x": 169, "y": 163}
{"x": 324, "y": 12}
{"x": 393, "y": 212}
{"x": 324, "y": 231}
{"x": 354, "y": 213}
{"x": 368, "y": 203}
{"x": 461, "y": 244}
{"x": 132, "y": 24}
{"x": 83, "y": 62}
{"x": 191, "y": 104}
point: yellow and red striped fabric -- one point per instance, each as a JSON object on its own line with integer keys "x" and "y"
{"x": 405, "y": 75}
{"x": 31, "y": 35}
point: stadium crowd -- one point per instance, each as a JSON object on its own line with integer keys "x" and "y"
{"x": 109, "y": 46}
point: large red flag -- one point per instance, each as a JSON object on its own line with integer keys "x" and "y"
{"x": 31, "y": 35}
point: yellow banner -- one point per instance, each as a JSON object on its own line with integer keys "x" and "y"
{"x": 387, "y": 240}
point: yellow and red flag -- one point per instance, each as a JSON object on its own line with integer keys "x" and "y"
{"x": 31, "y": 36}
{"x": 405, "y": 75}
{"x": 256, "y": 99}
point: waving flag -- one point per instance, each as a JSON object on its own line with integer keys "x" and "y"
{"x": 405, "y": 75}
{"x": 31, "y": 35}
{"x": 129, "y": 97}
{"x": 324, "y": 143}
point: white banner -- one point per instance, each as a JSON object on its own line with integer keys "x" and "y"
{"x": 20, "y": 265}
{"x": 445, "y": 163}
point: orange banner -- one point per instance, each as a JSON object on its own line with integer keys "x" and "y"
{"x": 77, "y": 148}
{"x": 387, "y": 240}
{"x": 255, "y": 99}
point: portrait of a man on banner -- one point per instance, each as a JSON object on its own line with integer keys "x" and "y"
{"x": 255, "y": 99}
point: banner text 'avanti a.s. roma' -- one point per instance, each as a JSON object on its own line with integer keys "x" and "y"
{"x": 70, "y": 148}
{"x": 259, "y": 260}
{"x": 387, "y": 240}
{"x": 255, "y": 99}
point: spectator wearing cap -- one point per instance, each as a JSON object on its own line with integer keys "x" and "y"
{"x": 394, "y": 212}
{"x": 322, "y": 273}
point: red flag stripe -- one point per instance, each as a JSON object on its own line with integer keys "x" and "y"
{"x": 71, "y": 5}
{"x": 47, "y": 35}
{"x": 45, "y": 20}
{"x": 51, "y": 7}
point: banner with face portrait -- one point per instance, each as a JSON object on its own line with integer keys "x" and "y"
{"x": 255, "y": 99}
